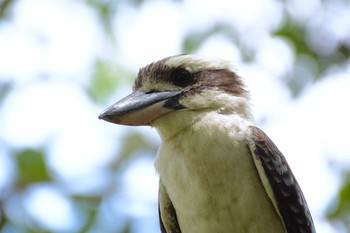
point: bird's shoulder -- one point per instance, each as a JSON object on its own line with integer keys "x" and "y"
{"x": 167, "y": 214}
{"x": 280, "y": 183}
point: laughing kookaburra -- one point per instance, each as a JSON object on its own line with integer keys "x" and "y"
{"x": 219, "y": 173}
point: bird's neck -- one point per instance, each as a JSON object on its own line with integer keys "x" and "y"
{"x": 186, "y": 121}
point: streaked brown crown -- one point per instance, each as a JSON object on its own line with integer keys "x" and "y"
{"x": 204, "y": 74}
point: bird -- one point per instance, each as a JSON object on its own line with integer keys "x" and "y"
{"x": 218, "y": 172}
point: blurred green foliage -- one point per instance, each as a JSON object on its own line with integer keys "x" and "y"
{"x": 296, "y": 34}
{"x": 103, "y": 81}
{"x": 339, "y": 213}
{"x": 31, "y": 167}
{"x": 4, "y": 7}
{"x": 133, "y": 142}
{"x": 5, "y": 88}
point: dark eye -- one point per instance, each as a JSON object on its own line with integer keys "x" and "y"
{"x": 181, "y": 77}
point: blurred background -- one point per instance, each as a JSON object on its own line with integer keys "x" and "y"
{"x": 62, "y": 62}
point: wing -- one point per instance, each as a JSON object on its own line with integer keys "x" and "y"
{"x": 280, "y": 184}
{"x": 167, "y": 214}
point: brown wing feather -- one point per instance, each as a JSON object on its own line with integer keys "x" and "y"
{"x": 167, "y": 214}
{"x": 289, "y": 197}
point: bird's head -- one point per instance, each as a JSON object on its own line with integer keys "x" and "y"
{"x": 179, "y": 88}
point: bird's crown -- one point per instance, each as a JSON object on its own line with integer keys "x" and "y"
{"x": 189, "y": 72}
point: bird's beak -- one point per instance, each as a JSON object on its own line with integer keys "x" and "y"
{"x": 140, "y": 108}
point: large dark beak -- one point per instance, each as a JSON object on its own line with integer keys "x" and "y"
{"x": 140, "y": 108}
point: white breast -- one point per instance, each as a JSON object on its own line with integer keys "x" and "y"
{"x": 212, "y": 181}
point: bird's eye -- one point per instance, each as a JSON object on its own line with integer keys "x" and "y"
{"x": 181, "y": 77}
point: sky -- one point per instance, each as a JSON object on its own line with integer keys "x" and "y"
{"x": 48, "y": 49}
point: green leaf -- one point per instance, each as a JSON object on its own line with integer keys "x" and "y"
{"x": 132, "y": 143}
{"x": 105, "y": 9}
{"x": 5, "y": 88}
{"x": 90, "y": 206}
{"x": 106, "y": 78}
{"x": 341, "y": 209}
{"x": 296, "y": 35}
{"x": 5, "y": 7}
{"x": 32, "y": 167}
